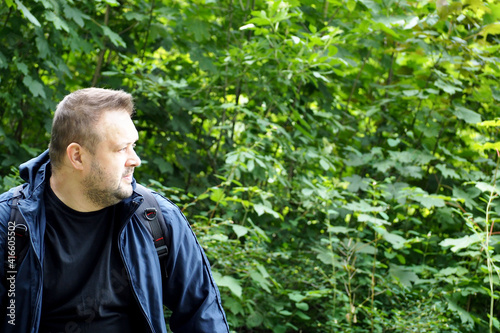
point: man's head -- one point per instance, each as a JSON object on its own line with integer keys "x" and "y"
{"x": 92, "y": 146}
{"x": 76, "y": 117}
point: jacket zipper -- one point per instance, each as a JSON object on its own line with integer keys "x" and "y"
{"x": 127, "y": 270}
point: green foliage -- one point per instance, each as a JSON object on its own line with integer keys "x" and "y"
{"x": 336, "y": 158}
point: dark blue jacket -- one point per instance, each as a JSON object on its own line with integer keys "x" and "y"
{"x": 189, "y": 291}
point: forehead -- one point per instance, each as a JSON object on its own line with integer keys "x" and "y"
{"x": 116, "y": 127}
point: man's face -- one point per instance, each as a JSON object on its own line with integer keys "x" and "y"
{"x": 108, "y": 175}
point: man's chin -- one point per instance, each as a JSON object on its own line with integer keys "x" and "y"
{"x": 125, "y": 191}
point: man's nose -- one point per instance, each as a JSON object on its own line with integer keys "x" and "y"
{"x": 134, "y": 160}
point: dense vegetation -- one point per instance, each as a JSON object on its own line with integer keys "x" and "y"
{"x": 337, "y": 158}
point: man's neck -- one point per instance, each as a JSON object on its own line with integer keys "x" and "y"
{"x": 69, "y": 191}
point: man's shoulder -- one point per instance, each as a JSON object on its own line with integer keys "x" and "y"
{"x": 165, "y": 203}
{"x": 5, "y": 200}
{"x": 6, "y": 196}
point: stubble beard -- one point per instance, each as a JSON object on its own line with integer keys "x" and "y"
{"x": 107, "y": 196}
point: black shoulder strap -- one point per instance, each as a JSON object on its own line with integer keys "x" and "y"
{"x": 150, "y": 214}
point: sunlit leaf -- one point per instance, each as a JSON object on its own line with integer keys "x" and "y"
{"x": 27, "y": 13}
{"x": 460, "y": 243}
{"x": 239, "y": 230}
{"x": 493, "y": 29}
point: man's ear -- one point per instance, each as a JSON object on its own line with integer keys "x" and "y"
{"x": 74, "y": 152}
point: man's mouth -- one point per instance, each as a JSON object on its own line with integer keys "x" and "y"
{"x": 129, "y": 176}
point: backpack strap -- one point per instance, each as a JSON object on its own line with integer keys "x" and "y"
{"x": 151, "y": 216}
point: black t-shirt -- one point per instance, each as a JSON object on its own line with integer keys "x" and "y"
{"x": 85, "y": 285}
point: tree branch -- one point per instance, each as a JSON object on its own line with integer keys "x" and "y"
{"x": 97, "y": 72}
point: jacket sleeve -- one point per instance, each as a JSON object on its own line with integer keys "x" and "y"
{"x": 189, "y": 291}
{"x": 4, "y": 219}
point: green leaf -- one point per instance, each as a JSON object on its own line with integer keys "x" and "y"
{"x": 307, "y": 192}
{"x": 250, "y": 165}
{"x": 232, "y": 157}
{"x": 296, "y": 296}
{"x": 386, "y": 29}
{"x": 393, "y": 142}
{"x": 42, "y": 46}
{"x": 254, "y": 319}
{"x": 75, "y": 14}
{"x": 429, "y": 201}
{"x": 239, "y": 230}
{"x": 486, "y": 146}
{"x": 247, "y": 26}
{"x": 461, "y": 243}
{"x": 324, "y": 255}
{"x": 467, "y": 115}
{"x": 465, "y": 317}
{"x": 22, "y": 67}
{"x": 320, "y": 76}
{"x": 27, "y": 14}
{"x": 324, "y": 164}
{"x": 492, "y": 29}
{"x": 302, "y": 306}
{"x": 112, "y": 3}
{"x": 59, "y": 24}
{"x": 260, "y": 209}
{"x": 260, "y": 18}
{"x": 3, "y": 61}
{"x": 374, "y": 220}
{"x": 163, "y": 165}
{"x": 371, "y": 4}
{"x": 447, "y": 173}
{"x": 485, "y": 187}
{"x": 285, "y": 313}
{"x": 363, "y": 206}
{"x": 217, "y": 194}
{"x": 263, "y": 271}
{"x": 410, "y": 93}
{"x": 365, "y": 248}
{"x": 340, "y": 230}
{"x": 447, "y": 87}
{"x": 411, "y": 23}
{"x": 467, "y": 196}
{"x": 261, "y": 280}
{"x": 258, "y": 231}
{"x": 459, "y": 271}
{"x": 229, "y": 282}
{"x": 113, "y": 36}
{"x": 200, "y": 29}
{"x": 35, "y": 87}
{"x": 218, "y": 237}
{"x": 356, "y": 183}
{"x": 303, "y": 131}
{"x": 489, "y": 123}
{"x": 396, "y": 241}
{"x": 351, "y": 4}
{"x": 404, "y": 275}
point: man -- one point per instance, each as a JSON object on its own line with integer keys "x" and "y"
{"x": 91, "y": 265}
